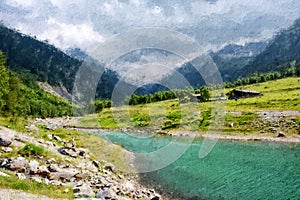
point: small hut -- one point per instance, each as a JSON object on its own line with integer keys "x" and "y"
{"x": 238, "y": 94}
{"x": 195, "y": 97}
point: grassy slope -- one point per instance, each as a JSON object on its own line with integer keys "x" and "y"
{"x": 281, "y": 94}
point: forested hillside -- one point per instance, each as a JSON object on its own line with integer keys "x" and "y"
{"x": 42, "y": 61}
{"x": 21, "y": 97}
{"x": 282, "y": 53}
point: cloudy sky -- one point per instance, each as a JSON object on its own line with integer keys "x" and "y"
{"x": 213, "y": 23}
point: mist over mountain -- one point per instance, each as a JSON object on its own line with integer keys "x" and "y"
{"x": 43, "y": 62}
{"x": 86, "y": 24}
{"x": 282, "y": 52}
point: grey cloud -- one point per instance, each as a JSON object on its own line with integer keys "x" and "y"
{"x": 210, "y": 22}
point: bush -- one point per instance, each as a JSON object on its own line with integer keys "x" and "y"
{"x": 31, "y": 149}
{"x": 141, "y": 120}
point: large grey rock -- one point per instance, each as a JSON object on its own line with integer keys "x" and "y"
{"x": 106, "y": 194}
{"x": 4, "y": 141}
{"x": 281, "y": 134}
{"x": 64, "y": 174}
{"x": 21, "y": 176}
{"x": 57, "y": 138}
{"x": 33, "y": 167}
{"x": 68, "y": 151}
{"x": 43, "y": 171}
{"x": 6, "y": 149}
{"x": 83, "y": 190}
{"x": 54, "y": 168}
{"x": 155, "y": 198}
{"x": 110, "y": 167}
{"x": 19, "y": 164}
{"x": 3, "y": 162}
{"x": 83, "y": 152}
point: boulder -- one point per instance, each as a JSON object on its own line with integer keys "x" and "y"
{"x": 64, "y": 174}
{"x": 96, "y": 163}
{"x": 106, "y": 194}
{"x": 4, "y": 141}
{"x": 20, "y": 164}
{"x": 272, "y": 129}
{"x": 57, "y": 138}
{"x": 155, "y": 198}
{"x": 6, "y": 149}
{"x": 281, "y": 134}
{"x": 68, "y": 151}
{"x": 83, "y": 152}
{"x": 43, "y": 171}
{"x": 83, "y": 190}
{"x": 110, "y": 167}
{"x": 33, "y": 167}
{"x": 51, "y": 161}
{"x": 3, "y": 162}
{"x": 51, "y": 144}
{"x": 54, "y": 168}
{"x": 21, "y": 176}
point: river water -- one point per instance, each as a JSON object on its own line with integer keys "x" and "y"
{"x": 232, "y": 170}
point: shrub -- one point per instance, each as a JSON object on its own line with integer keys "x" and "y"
{"x": 141, "y": 120}
{"x": 31, "y": 149}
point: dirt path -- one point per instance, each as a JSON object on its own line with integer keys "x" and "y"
{"x": 10, "y": 194}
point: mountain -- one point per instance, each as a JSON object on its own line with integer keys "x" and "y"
{"x": 281, "y": 52}
{"x": 228, "y": 60}
{"x": 235, "y": 61}
{"x": 43, "y": 62}
{"x": 76, "y": 53}
{"x": 234, "y": 57}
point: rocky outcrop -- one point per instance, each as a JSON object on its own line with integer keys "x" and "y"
{"x": 69, "y": 151}
{"x": 89, "y": 178}
{"x": 19, "y": 164}
{"x": 5, "y": 142}
{"x": 83, "y": 190}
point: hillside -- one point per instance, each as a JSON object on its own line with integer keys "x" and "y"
{"x": 43, "y": 62}
{"x": 235, "y": 61}
{"x": 282, "y": 52}
{"x": 19, "y": 96}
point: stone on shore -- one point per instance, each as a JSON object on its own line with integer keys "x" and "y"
{"x": 281, "y": 134}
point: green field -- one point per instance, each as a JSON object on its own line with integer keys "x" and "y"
{"x": 282, "y": 94}
{"x": 279, "y": 95}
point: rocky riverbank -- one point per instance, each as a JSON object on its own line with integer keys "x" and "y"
{"x": 63, "y": 165}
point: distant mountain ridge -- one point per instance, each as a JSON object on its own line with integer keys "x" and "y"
{"x": 48, "y": 64}
{"x": 283, "y": 50}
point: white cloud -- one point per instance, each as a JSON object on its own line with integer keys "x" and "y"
{"x": 69, "y": 35}
{"x": 211, "y": 22}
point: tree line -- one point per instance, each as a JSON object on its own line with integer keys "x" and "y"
{"x": 184, "y": 95}
{"x": 20, "y": 96}
{"x": 290, "y": 71}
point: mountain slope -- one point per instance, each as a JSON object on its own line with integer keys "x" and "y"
{"x": 45, "y": 63}
{"x": 279, "y": 54}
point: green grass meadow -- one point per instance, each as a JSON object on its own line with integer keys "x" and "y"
{"x": 282, "y": 94}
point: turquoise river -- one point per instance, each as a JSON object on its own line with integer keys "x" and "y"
{"x": 232, "y": 170}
